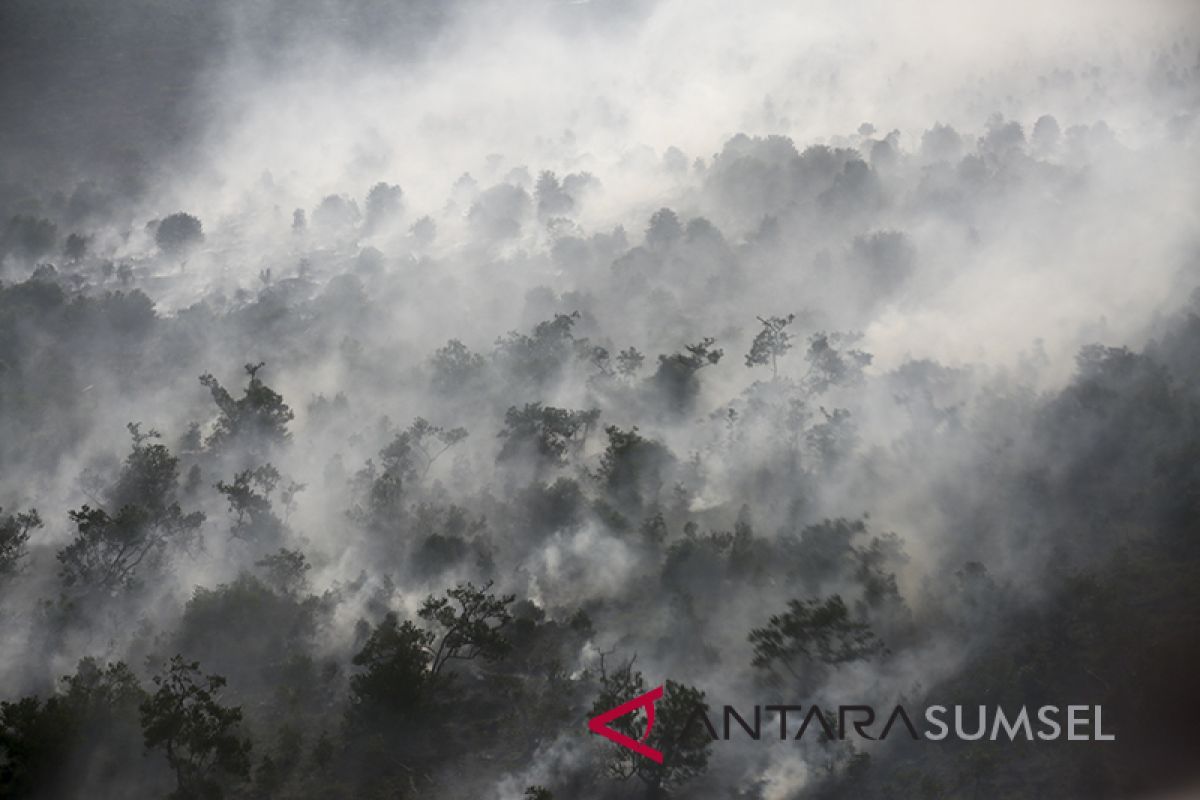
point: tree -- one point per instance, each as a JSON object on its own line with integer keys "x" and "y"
{"x": 249, "y": 498}
{"x": 632, "y": 466}
{"x": 75, "y": 247}
{"x": 405, "y": 461}
{"x": 471, "y": 623}
{"x": 664, "y": 229}
{"x": 110, "y": 548}
{"x": 833, "y": 361}
{"x": 199, "y": 736}
{"x": 685, "y": 745}
{"x": 546, "y": 431}
{"x": 14, "y": 536}
{"x": 552, "y": 201}
{"x": 541, "y": 355}
{"x": 286, "y": 571}
{"x": 676, "y": 375}
{"x": 430, "y": 442}
{"x": 629, "y": 361}
{"x": 813, "y": 632}
{"x": 403, "y": 664}
{"x": 771, "y": 343}
{"x": 45, "y": 743}
{"x": 395, "y": 678}
{"x": 455, "y": 368}
{"x": 385, "y": 203}
{"x": 178, "y": 233}
{"x": 259, "y": 418}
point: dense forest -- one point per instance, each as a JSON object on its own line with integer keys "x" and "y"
{"x": 318, "y": 482}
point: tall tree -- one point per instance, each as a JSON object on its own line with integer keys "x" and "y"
{"x": 772, "y": 343}
{"x": 812, "y": 632}
{"x": 199, "y": 735}
{"x": 685, "y": 745}
{"x": 258, "y": 419}
{"x": 111, "y": 547}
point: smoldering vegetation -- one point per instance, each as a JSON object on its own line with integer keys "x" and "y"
{"x": 375, "y": 469}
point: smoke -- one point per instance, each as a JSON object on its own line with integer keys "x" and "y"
{"x": 560, "y": 227}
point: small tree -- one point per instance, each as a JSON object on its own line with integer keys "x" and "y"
{"x": 833, "y": 361}
{"x": 676, "y": 374}
{"x": 14, "y": 538}
{"x": 385, "y": 204}
{"x": 552, "y": 201}
{"x": 198, "y": 735}
{"x": 403, "y": 663}
{"x": 76, "y": 247}
{"x": 771, "y": 343}
{"x": 432, "y": 441}
{"x": 546, "y": 431}
{"x": 813, "y": 632}
{"x": 664, "y": 229}
{"x": 455, "y": 368}
{"x": 629, "y": 361}
{"x": 110, "y": 548}
{"x": 258, "y": 417}
{"x": 286, "y": 571}
{"x": 249, "y": 499}
{"x": 471, "y": 622}
{"x": 632, "y": 466}
{"x": 49, "y": 747}
{"x": 178, "y": 233}
{"x": 394, "y": 681}
{"x": 685, "y": 746}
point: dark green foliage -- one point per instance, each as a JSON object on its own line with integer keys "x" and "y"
{"x": 629, "y": 362}
{"x": 249, "y": 498}
{"x": 178, "y": 233}
{"x": 394, "y": 680}
{"x": 469, "y": 623}
{"x": 676, "y": 379}
{"x": 451, "y": 537}
{"x": 545, "y": 431}
{"x": 832, "y": 361}
{"x": 664, "y": 229}
{"x": 250, "y": 630}
{"x": 403, "y": 666}
{"x": 257, "y": 420}
{"x": 405, "y": 461}
{"x": 812, "y": 632}
{"x": 430, "y": 442}
{"x": 685, "y": 747}
{"x": 632, "y": 467}
{"x": 14, "y": 538}
{"x": 552, "y": 507}
{"x": 552, "y": 201}
{"x": 385, "y": 204}
{"x": 285, "y": 571}
{"x": 111, "y": 548}
{"x": 75, "y": 247}
{"x": 771, "y": 343}
{"x": 541, "y": 356}
{"x": 199, "y": 736}
{"x": 455, "y": 368}
{"x": 833, "y": 439}
{"x": 89, "y": 725}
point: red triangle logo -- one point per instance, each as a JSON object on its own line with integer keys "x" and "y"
{"x": 599, "y": 724}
